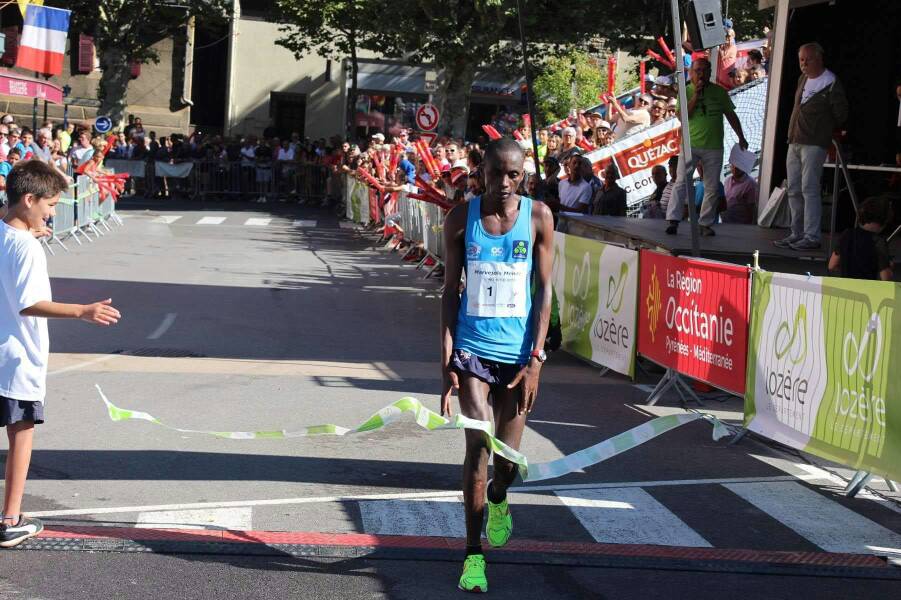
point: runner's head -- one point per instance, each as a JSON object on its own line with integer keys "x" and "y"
{"x": 503, "y": 168}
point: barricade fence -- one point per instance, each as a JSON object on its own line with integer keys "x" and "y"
{"x": 813, "y": 357}
{"x": 222, "y": 180}
{"x": 82, "y": 214}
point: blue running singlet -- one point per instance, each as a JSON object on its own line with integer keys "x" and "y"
{"x": 495, "y": 317}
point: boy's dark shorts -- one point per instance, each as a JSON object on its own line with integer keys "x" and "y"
{"x": 489, "y": 371}
{"x": 15, "y": 411}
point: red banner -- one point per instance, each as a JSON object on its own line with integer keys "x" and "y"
{"x": 693, "y": 317}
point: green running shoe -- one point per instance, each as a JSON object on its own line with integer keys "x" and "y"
{"x": 473, "y": 578}
{"x": 500, "y": 523}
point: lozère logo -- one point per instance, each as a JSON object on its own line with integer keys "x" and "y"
{"x": 791, "y": 340}
{"x": 616, "y": 287}
{"x": 653, "y": 303}
{"x": 606, "y": 329}
{"x": 853, "y": 352}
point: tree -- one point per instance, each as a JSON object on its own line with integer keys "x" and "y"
{"x": 125, "y": 31}
{"x": 334, "y": 30}
{"x": 553, "y": 87}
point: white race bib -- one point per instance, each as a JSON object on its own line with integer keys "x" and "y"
{"x": 497, "y": 289}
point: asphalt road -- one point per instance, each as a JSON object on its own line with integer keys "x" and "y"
{"x": 274, "y": 317}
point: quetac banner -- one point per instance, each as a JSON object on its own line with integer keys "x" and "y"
{"x": 693, "y": 318}
{"x": 822, "y": 372}
{"x": 636, "y": 155}
{"x": 596, "y": 286}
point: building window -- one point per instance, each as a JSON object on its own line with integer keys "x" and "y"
{"x": 378, "y": 113}
{"x": 289, "y": 113}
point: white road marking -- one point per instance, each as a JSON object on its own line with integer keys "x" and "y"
{"x": 257, "y": 222}
{"x": 347, "y": 225}
{"x": 168, "y": 320}
{"x": 390, "y": 496}
{"x": 645, "y": 387}
{"x": 211, "y": 221}
{"x": 629, "y": 516}
{"x": 236, "y": 519}
{"x": 167, "y": 219}
{"x": 84, "y": 364}
{"x": 439, "y": 517}
{"x": 821, "y": 520}
{"x": 815, "y": 474}
{"x": 305, "y": 223}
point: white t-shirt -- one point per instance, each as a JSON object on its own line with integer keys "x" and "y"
{"x": 572, "y": 195}
{"x": 286, "y": 154}
{"x": 817, "y": 84}
{"x": 24, "y": 342}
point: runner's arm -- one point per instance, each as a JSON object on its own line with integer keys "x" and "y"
{"x": 99, "y": 313}
{"x": 544, "y": 262}
{"x": 454, "y": 232}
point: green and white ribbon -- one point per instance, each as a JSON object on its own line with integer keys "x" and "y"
{"x": 432, "y": 421}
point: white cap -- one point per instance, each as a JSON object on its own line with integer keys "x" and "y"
{"x": 379, "y": 136}
{"x": 604, "y": 125}
{"x": 743, "y": 160}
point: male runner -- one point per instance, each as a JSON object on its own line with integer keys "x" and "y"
{"x": 492, "y": 338}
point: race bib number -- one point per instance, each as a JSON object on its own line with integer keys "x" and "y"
{"x": 496, "y": 289}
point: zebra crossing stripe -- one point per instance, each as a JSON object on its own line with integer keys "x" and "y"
{"x": 211, "y": 221}
{"x": 167, "y": 219}
{"x": 431, "y": 517}
{"x": 257, "y": 222}
{"x": 821, "y": 520}
{"x": 629, "y": 516}
{"x": 235, "y": 519}
{"x": 305, "y": 223}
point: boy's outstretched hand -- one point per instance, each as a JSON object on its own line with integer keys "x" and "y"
{"x": 100, "y": 313}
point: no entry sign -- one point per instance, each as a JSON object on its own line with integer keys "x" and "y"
{"x": 427, "y": 117}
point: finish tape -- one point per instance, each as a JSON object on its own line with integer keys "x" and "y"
{"x": 409, "y": 407}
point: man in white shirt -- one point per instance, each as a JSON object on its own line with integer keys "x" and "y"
{"x": 630, "y": 121}
{"x": 820, "y": 108}
{"x": 575, "y": 192}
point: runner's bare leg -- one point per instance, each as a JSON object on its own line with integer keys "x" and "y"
{"x": 474, "y": 404}
{"x": 508, "y": 426}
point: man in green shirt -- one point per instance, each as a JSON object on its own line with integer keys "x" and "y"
{"x": 708, "y": 103}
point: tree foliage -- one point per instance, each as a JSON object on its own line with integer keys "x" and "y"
{"x": 561, "y": 76}
{"x": 125, "y": 31}
{"x": 332, "y": 29}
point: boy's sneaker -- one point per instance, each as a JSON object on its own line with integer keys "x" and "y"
{"x": 500, "y": 523}
{"x": 473, "y": 578}
{"x": 13, "y": 535}
{"x": 788, "y": 241}
{"x": 707, "y": 231}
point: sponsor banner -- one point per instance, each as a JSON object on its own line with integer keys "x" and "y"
{"x": 636, "y": 155}
{"x": 596, "y": 286}
{"x": 693, "y": 318}
{"x": 822, "y": 376}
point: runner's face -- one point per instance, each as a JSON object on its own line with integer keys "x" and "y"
{"x": 503, "y": 174}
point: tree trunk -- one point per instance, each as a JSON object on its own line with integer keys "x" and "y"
{"x": 454, "y": 94}
{"x": 113, "y": 85}
{"x": 352, "y": 96}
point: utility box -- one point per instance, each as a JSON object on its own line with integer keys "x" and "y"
{"x": 704, "y": 20}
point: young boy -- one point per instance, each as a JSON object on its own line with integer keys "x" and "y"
{"x": 862, "y": 253}
{"x": 32, "y": 190}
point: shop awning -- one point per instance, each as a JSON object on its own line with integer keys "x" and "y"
{"x": 20, "y": 86}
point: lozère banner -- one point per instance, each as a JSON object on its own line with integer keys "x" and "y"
{"x": 822, "y": 376}
{"x": 693, "y": 318}
{"x": 636, "y": 155}
{"x": 596, "y": 285}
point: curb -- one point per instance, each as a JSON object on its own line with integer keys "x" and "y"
{"x": 389, "y": 547}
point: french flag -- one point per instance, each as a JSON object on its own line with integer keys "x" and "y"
{"x": 43, "y": 44}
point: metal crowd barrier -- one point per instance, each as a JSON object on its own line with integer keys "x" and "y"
{"x": 302, "y": 182}
{"x": 80, "y": 214}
